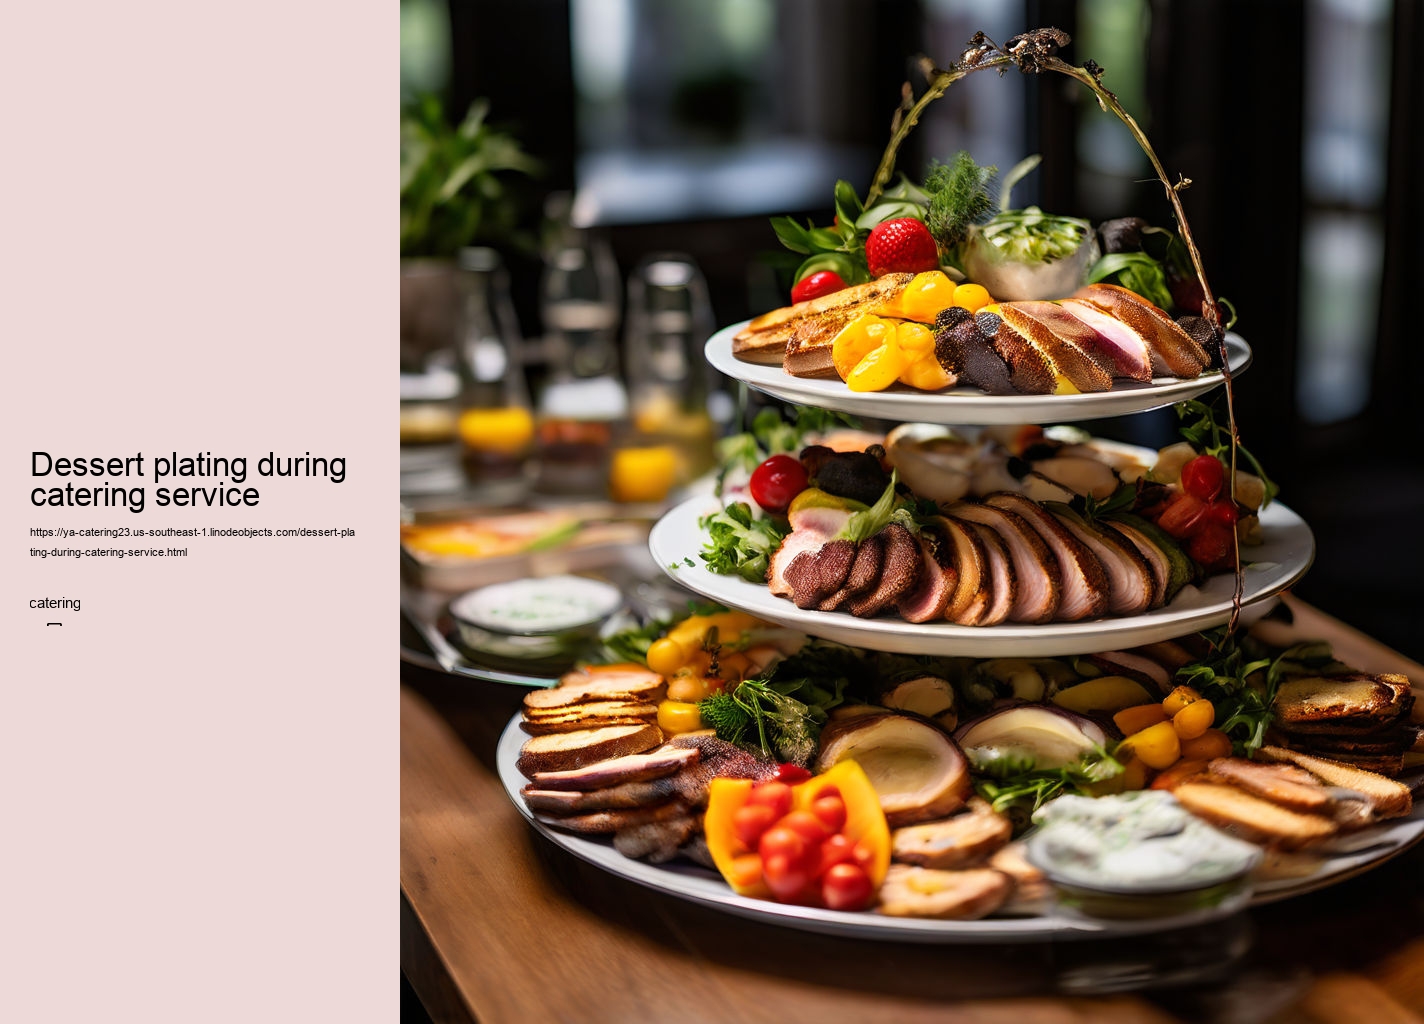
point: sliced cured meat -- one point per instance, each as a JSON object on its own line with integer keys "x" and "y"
{"x": 1081, "y": 370}
{"x": 815, "y": 575}
{"x": 1072, "y": 331}
{"x": 1130, "y": 582}
{"x": 971, "y": 595}
{"x": 1030, "y": 370}
{"x": 898, "y": 576}
{"x": 864, "y": 573}
{"x": 1003, "y": 584}
{"x": 962, "y": 348}
{"x": 1085, "y": 581}
{"x": 1125, "y": 347}
{"x": 810, "y": 529}
{"x": 927, "y": 602}
{"x": 1037, "y": 578}
{"x": 1175, "y": 353}
{"x": 1156, "y": 560}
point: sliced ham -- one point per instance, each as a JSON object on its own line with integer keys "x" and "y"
{"x": 1175, "y": 353}
{"x": 898, "y": 576}
{"x": 1156, "y": 560}
{"x": 927, "y": 602}
{"x": 1127, "y": 349}
{"x": 1130, "y": 581}
{"x": 1085, "y": 581}
{"x": 1038, "y": 581}
{"x": 971, "y": 595}
{"x": 1003, "y": 586}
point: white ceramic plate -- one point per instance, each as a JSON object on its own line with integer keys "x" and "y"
{"x": 966, "y": 405}
{"x": 1283, "y": 558}
{"x": 700, "y": 885}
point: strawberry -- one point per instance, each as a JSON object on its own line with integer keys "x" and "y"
{"x": 812, "y": 286}
{"x": 901, "y": 245}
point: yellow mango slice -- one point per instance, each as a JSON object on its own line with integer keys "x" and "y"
{"x": 878, "y": 369}
{"x": 1105, "y": 693}
{"x": 856, "y": 340}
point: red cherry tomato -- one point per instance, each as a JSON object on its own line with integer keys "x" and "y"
{"x": 846, "y": 887}
{"x": 864, "y": 855}
{"x": 792, "y": 846}
{"x": 1203, "y": 476}
{"x": 1182, "y": 515}
{"x": 791, "y": 774}
{"x": 806, "y": 825}
{"x": 786, "y": 878}
{"x": 830, "y": 809}
{"x": 1211, "y": 548}
{"x": 813, "y": 286}
{"x": 776, "y": 795}
{"x": 776, "y": 481}
{"x": 751, "y": 821}
{"x": 1223, "y": 512}
{"x": 837, "y": 849}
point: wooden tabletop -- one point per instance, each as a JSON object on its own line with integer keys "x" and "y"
{"x": 499, "y": 925}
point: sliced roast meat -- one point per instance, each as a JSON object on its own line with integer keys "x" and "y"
{"x": 898, "y": 575}
{"x": 1038, "y": 580}
{"x": 1130, "y": 582}
{"x": 864, "y": 573}
{"x": 655, "y": 764}
{"x": 1125, "y": 347}
{"x": 964, "y": 349}
{"x": 810, "y": 529}
{"x": 1003, "y": 585}
{"x": 1081, "y": 370}
{"x": 971, "y": 595}
{"x": 1085, "y": 581}
{"x": 1072, "y": 332}
{"x": 815, "y": 575}
{"x": 717, "y": 759}
{"x": 938, "y": 576}
{"x": 1156, "y": 560}
{"x": 1175, "y": 353}
{"x": 1030, "y": 370}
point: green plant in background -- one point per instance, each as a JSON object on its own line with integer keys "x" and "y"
{"x": 453, "y": 186}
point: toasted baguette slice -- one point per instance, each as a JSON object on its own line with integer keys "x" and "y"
{"x": 1353, "y": 702}
{"x": 568, "y": 750}
{"x": 627, "y": 684}
{"x": 764, "y": 340}
{"x": 541, "y": 728}
{"x": 950, "y": 895}
{"x": 1251, "y": 817}
{"x": 593, "y": 709}
{"x": 808, "y": 352}
{"x": 1390, "y": 799}
{"x": 1282, "y": 784}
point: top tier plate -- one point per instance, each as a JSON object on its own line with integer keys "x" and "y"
{"x": 967, "y": 405}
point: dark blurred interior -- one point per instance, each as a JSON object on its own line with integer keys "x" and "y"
{"x": 684, "y": 124}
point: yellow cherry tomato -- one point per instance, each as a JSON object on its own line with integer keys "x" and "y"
{"x": 1194, "y": 719}
{"x": 688, "y": 688}
{"x": 1210, "y": 744}
{"x": 676, "y": 716}
{"x": 925, "y": 296}
{"x": 857, "y": 339}
{"x": 1158, "y": 746}
{"x": 666, "y": 656}
{"x": 878, "y": 369}
{"x": 1178, "y": 699}
{"x": 972, "y": 297}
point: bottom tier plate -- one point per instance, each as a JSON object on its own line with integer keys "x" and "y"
{"x": 1286, "y": 553}
{"x": 700, "y": 885}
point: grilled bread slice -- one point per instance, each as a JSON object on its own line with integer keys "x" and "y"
{"x": 1259, "y": 820}
{"x": 1282, "y": 784}
{"x": 1389, "y": 798}
{"x": 808, "y": 352}
{"x": 764, "y": 340}
{"x": 1340, "y": 704}
{"x": 564, "y": 751}
{"x": 632, "y": 683}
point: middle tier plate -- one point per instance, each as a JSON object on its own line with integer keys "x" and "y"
{"x": 1287, "y": 550}
{"x": 966, "y": 405}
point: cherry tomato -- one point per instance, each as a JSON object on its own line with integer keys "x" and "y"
{"x": 846, "y": 887}
{"x": 813, "y": 286}
{"x": 1182, "y": 515}
{"x": 784, "y": 877}
{"x": 751, "y": 821}
{"x": 806, "y": 825}
{"x": 788, "y": 845}
{"x": 830, "y": 809}
{"x": 1211, "y": 548}
{"x": 837, "y": 849}
{"x": 1223, "y": 512}
{"x": 1203, "y": 476}
{"x": 863, "y": 854}
{"x": 776, "y": 481}
{"x": 776, "y": 795}
{"x": 791, "y": 774}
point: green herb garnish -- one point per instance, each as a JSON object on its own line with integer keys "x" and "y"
{"x": 739, "y": 543}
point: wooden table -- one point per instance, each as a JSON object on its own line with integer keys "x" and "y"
{"x": 498, "y": 925}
